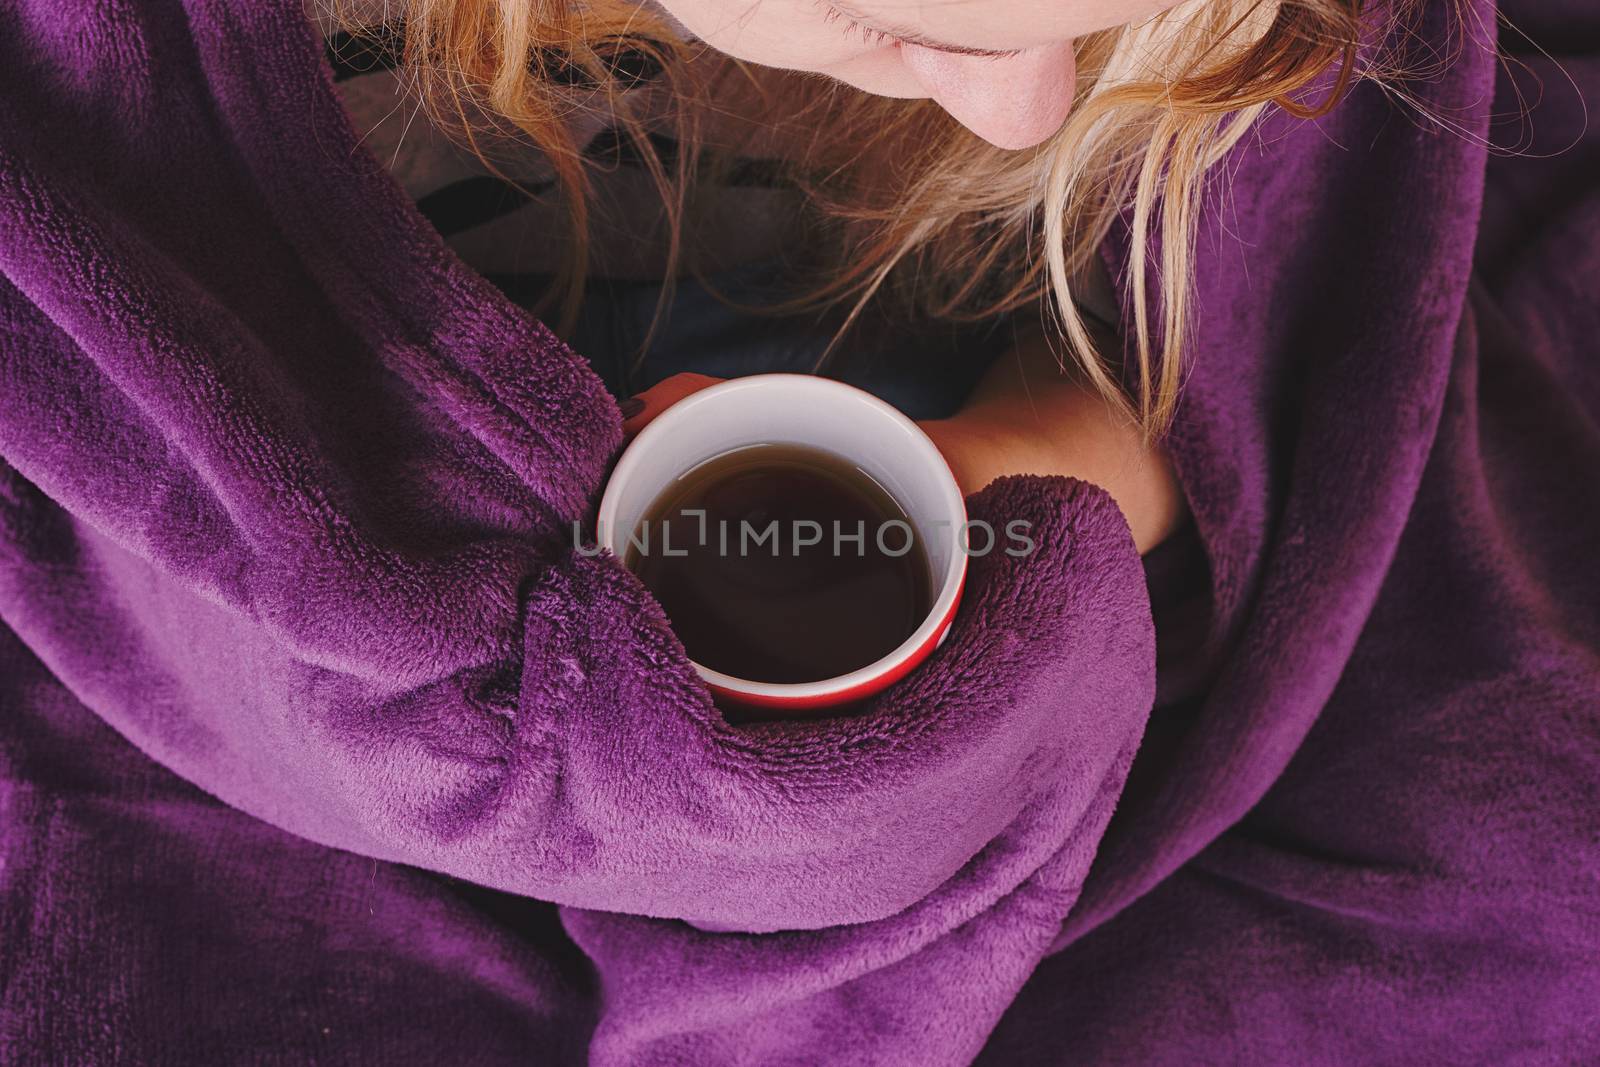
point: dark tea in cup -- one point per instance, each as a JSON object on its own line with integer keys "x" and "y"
{"x": 803, "y": 537}
{"x": 783, "y": 563}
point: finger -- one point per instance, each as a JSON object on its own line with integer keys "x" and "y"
{"x": 640, "y": 410}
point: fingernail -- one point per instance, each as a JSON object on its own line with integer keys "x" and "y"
{"x": 631, "y": 407}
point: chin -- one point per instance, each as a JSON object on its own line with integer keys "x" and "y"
{"x": 880, "y": 73}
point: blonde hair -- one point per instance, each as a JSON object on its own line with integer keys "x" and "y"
{"x": 917, "y": 206}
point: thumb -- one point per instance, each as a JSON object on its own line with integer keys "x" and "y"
{"x": 639, "y": 410}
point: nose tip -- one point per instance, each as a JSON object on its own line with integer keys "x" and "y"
{"x": 1011, "y": 102}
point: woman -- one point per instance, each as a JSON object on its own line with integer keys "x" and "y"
{"x": 286, "y": 486}
{"x": 953, "y": 173}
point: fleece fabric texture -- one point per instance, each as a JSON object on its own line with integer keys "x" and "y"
{"x": 285, "y": 502}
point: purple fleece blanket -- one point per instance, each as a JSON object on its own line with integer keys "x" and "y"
{"x": 285, "y": 493}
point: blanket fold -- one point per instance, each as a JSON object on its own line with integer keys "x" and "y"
{"x": 288, "y": 504}
{"x": 286, "y": 495}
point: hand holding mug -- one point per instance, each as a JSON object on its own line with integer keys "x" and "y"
{"x": 1027, "y": 416}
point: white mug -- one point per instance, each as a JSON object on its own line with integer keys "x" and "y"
{"x": 799, "y": 409}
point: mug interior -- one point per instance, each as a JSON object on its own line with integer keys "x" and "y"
{"x": 798, "y": 409}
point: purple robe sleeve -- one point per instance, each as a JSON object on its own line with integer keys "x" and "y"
{"x": 285, "y": 494}
{"x": 286, "y": 500}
